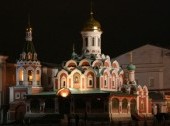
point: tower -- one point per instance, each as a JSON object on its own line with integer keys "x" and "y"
{"x": 91, "y": 34}
{"x": 131, "y": 71}
{"x": 28, "y": 68}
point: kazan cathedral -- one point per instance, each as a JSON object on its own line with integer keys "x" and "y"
{"x": 89, "y": 83}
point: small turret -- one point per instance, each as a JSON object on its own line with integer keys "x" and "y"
{"x": 131, "y": 71}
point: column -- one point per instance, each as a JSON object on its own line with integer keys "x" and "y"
{"x": 120, "y": 107}
{"x": 42, "y": 105}
{"x": 128, "y": 107}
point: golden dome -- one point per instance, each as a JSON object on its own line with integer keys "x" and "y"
{"x": 92, "y": 24}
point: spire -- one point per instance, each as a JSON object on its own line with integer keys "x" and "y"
{"x": 74, "y": 55}
{"x": 91, "y": 24}
{"x": 28, "y": 31}
{"x": 29, "y": 46}
{"x": 91, "y": 9}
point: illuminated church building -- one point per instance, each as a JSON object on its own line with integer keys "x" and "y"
{"x": 97, "y": 85}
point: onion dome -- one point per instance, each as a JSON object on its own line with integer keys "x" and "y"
{"x": 92, "y": 24}
{"x": 131, "y": 67}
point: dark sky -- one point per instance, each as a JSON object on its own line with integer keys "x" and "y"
{"x": 126, "y": 24}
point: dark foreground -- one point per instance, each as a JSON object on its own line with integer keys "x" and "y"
{"x": 97, "y": 123}
{"x": 159, "y": 120}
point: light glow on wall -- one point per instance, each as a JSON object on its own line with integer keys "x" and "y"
{"x": 64, "y": 92}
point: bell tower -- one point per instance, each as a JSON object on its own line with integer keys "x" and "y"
{"x": 28, "y": 68}
{"x": 91, "y": 34}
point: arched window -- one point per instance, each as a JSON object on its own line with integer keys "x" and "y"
{"x": 63, "y": 81}
{"x": 29, "y": 56}
{"x": 115, "y": 104}
{"x": 105, "y": 80}
{"x": 133, "y": 106}
{"x": 76, "y": 78}
{"x": 90, "y": 80}
{"x": 86, "y": 41}
{"x": 30, "y": 76}
{"x": 21, "y": 76}
{"x": 38, "y": 77}
{"x": 113, "y": 80}
{"x": 99, "y": 42}
{"x": 124, "y": 104}
{"x": 93, "y": 41}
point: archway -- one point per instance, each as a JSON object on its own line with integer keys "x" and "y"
{"x": 133, "y": 106}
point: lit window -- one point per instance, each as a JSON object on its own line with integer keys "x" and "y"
{"x": 30, "y": 78}
{"x": 38, "y": 75}
{"x": 90, "y": 80}
{"x": 76, "y": 78}
{"x": 86, "y": 40}
{"x": 99, "y": 42}
{"x": 105, "y": 80}
{"x": 21, "y": 76}
{"x": 63, "y": 81}
{"x": 93, "y": 41}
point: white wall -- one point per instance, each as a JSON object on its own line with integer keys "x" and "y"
{"x": 151, "y": 62}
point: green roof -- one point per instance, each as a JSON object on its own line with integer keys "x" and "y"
{"x": 131, "y": 67}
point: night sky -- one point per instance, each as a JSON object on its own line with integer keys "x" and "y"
{"x": 126, "y": 24}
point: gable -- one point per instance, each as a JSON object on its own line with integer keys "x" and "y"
{"x": 143, "y": 55}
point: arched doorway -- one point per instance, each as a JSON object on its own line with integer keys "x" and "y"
{"x": 115, "y": 105}
{"x": 133, "y": 106}
{"x": 124, "y": 105}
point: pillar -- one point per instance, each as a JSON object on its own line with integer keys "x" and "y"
{"x": 120, "y": 107}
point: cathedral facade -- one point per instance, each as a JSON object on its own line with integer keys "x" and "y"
{"x": 89, "y": 83}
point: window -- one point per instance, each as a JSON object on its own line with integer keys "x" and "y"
{"x": 99, "y": 42}
{"x": 38, "y": 76}
{"x": 30, "y": 75}
{"x": 124, "y": 104}
{"x": 86, "y": 41}
{"x": 63, "y": 81}
{"x": 142, "y": 105}
{"x": 105, "y": 80}
{"x": 151, "y": 82}
{"x": 90, "y": 80}
{"x": 76, "y": 78}
{"x": 115, "y": 103}
{"x": 21, "y": 75}
{"x": 113, "y": 83}
{"x": 93, "y": 41}
{"x": 17, "y": 95}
